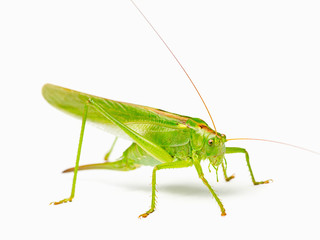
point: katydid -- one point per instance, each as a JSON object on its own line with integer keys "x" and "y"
{"x": 160, "y": 139}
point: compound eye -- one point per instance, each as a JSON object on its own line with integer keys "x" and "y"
{"x": 210, "y": 142}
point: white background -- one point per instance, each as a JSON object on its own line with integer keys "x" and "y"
{"x": 256, "y": 64}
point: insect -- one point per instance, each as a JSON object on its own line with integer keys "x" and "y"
{"x": 160, "y": 139}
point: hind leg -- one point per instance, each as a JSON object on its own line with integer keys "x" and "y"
{"x": 120, "y": 165}
{"x": 83, "y": 124}
{"x": 124, "y": 164}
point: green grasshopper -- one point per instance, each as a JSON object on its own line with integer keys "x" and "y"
{"x": 160, "y": 139}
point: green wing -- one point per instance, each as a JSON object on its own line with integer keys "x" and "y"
{"x": 161, "y": 127}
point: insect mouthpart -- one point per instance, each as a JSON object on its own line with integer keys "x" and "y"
{"x": 216, "y": 160}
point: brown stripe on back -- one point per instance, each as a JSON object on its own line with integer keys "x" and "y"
{"x": 206, "y": 128}
{"x": 183, "y": 119}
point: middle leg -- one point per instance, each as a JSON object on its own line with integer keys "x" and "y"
{"x": 178, "y": 164}
{"x": 106, "y": 157}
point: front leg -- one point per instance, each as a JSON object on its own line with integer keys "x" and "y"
{"x": 230, "y": 150}
{"x": 201, "y": 176}
{"x": 177, "y": 164}
{"x": 224, "y": 168}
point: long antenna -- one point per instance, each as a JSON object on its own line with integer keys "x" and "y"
{"x": 272, "y": 141}
{"x": 183, "y": 69}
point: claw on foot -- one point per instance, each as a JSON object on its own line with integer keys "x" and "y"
{"x": 269, "y": 181}
{"x": 263, "y": 182}
{"x": 146, "y": 214}
{"x": 231, "y": 177}
{"x": 62, "y": 201}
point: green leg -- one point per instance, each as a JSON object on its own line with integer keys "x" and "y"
{"x": 84, "y": 119}
{"x": 201, "y": 176}
{"x": 242, "y": 150}
{"x": 106, "y": 157}
{"x": 178, "y": 164}
{"x": 224, "y": 168}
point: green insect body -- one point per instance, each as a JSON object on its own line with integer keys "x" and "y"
{"x": 160, "y": 139}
